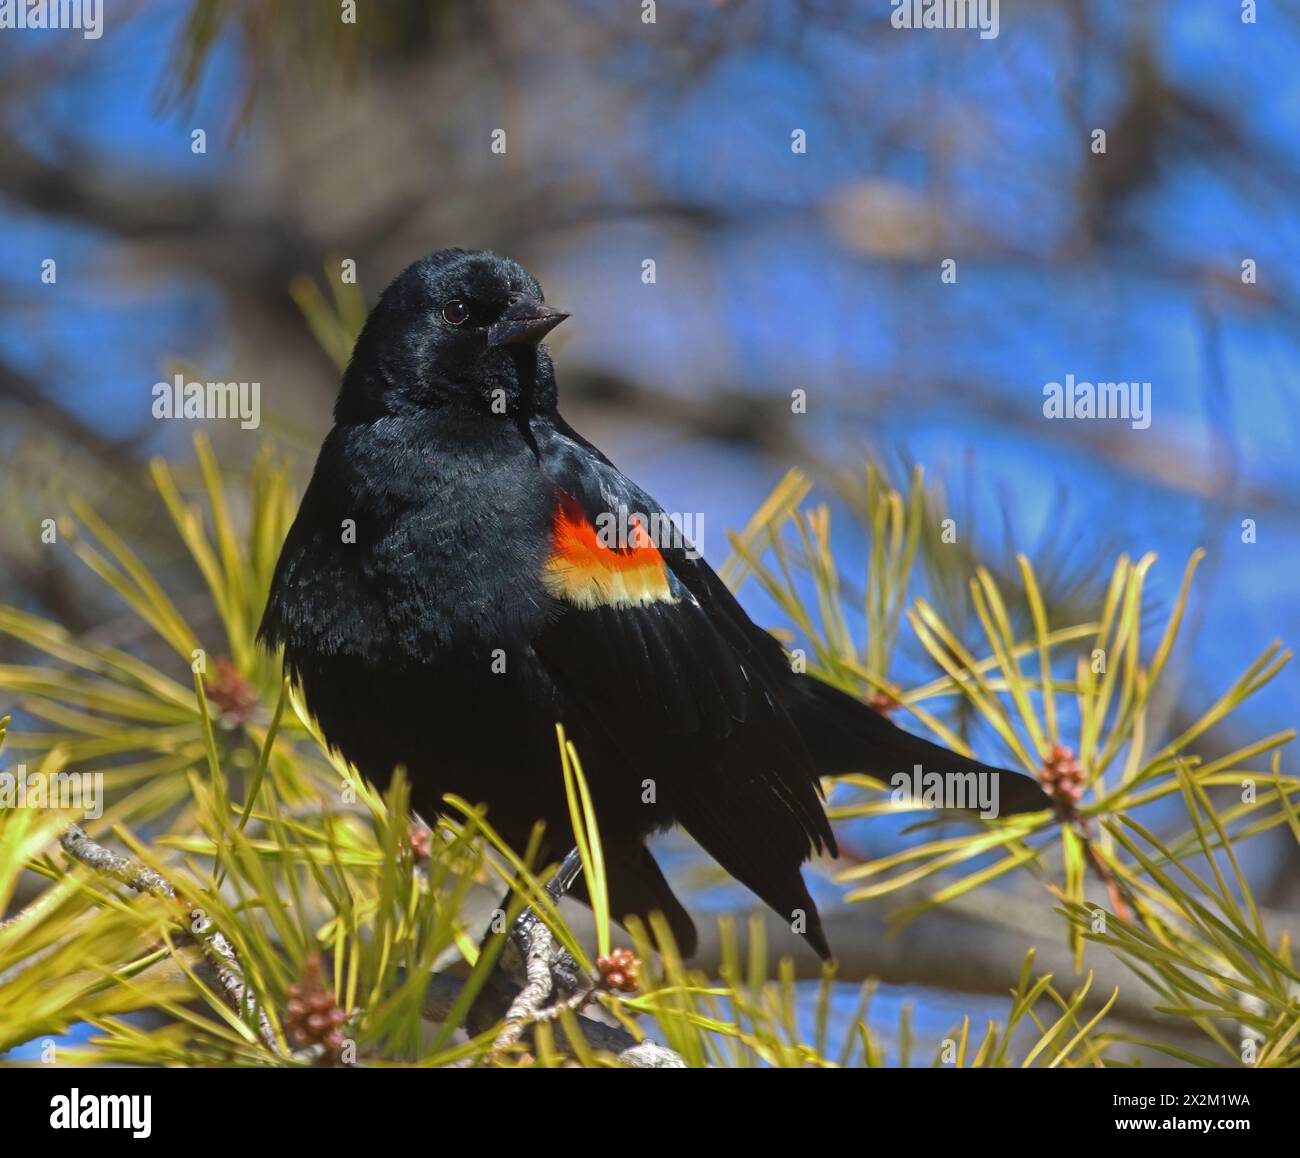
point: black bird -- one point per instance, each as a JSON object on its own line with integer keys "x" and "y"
{"x": 466, "y": 570}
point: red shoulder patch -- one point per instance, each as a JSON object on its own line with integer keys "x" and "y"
{"x": 613, "y": 566}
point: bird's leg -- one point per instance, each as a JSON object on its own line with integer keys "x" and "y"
{"x": 564, "y": 969}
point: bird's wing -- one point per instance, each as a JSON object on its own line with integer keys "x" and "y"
{"x": 842, "y": 734}
{"x": 643, "y": 645}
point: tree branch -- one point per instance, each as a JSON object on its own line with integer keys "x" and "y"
{"x": 222, "y": 966}
{"x": 221, "y": 962}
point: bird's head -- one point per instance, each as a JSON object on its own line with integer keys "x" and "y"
{"x": 457, "y": 327}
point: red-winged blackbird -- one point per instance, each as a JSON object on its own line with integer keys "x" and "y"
{"x": 466, "y": 570}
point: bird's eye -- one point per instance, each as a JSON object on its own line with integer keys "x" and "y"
{"x": 455, "y": 313}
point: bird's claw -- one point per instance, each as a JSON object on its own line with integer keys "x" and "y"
{"x": 568, "y": 979}
{"x": 568, "y": 975}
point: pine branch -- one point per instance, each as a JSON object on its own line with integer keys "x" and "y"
{"x": 222, "y": 964}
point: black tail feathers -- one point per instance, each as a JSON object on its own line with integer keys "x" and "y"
{"x": 846, "y": 735}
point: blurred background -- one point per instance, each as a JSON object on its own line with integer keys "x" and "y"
{"x": 774, "y": 270}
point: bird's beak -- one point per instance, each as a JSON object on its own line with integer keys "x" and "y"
{"x": 525, "y": 323}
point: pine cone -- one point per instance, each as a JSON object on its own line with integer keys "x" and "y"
{"x": 1062, "y": 778}
{"x": 312, "y": 1017}
{"x": 420, "y": 841}
{"x": 233, "y": 696}
{"x": 620, "y": 971}
{"x": 883, "y": 702}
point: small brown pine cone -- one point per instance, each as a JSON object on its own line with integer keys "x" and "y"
{"x": 420, "y": 841}
{"x": 311, "y": 1015}
{"x": 231, "y": 694}
{"x": 620, "y": 971}
{"x": 1062, "y": 778}
{"x": 883, "y": 702}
